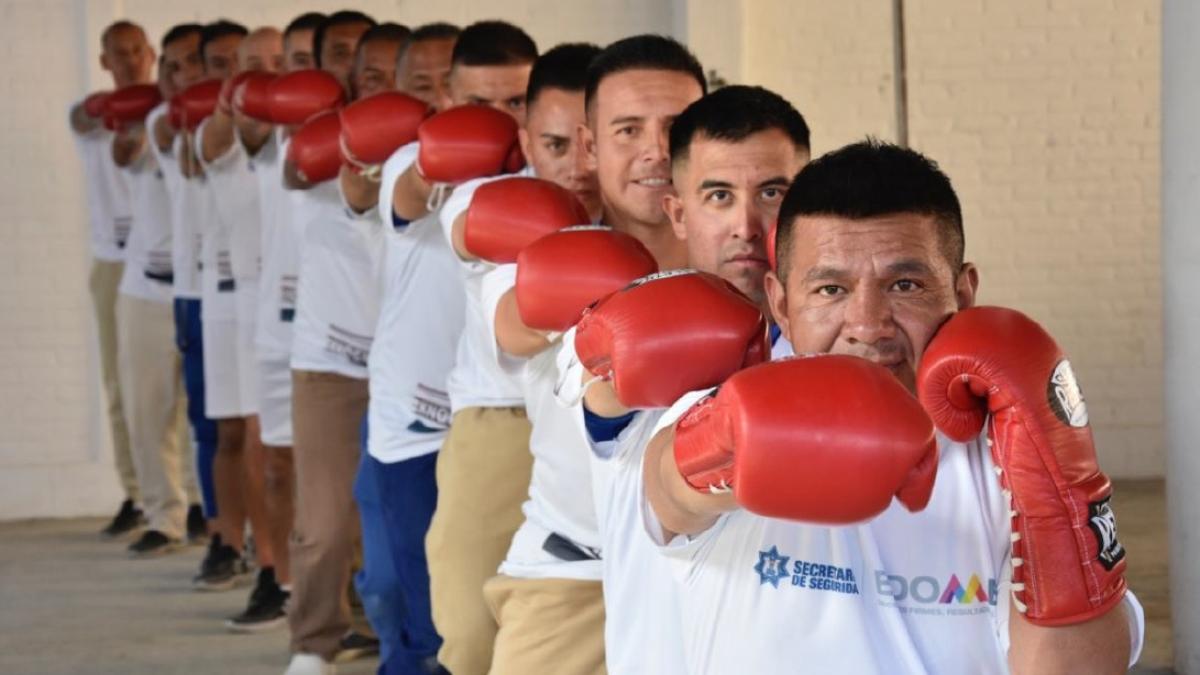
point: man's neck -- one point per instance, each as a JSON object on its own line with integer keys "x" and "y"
{"x": 658, "y": 238}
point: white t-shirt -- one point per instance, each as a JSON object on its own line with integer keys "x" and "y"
{"x": 283, "y": 214}
{"x": 148, "y": 273}
{"x": 337, "y": 302}
{"x": 218, "y": 286}
{"x": 902, "y": 593}
{"x": 108, "y": 195}
{"x": 420, "y": 318}
{"x": 190, "y": 207}
{"x": 233, "y": 176}
{"x": 560, "y": 487}
{"x": 641, "y": 598}
{"x": 477, "y": 380}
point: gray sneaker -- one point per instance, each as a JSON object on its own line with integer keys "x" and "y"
{"x": 222, "y": 569}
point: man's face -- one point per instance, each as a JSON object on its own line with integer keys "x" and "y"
{"x": 262, "y": 50}
{"x": 877, "y": 288}
{"x": 499, "y": 87}
{"x": 297, "y": 50}
{"x": 181, "y": 64}
{"x": 627, "y": 139}
{"x": 220, "y": 57}
{"x": 727, "y": 194}
{"x": 552, "y": 147}
{"x": 375, "y": 68}
{"x": 424, "y": 72}
{"x": 338, "y": 47}
{"x": 128, "y": 56}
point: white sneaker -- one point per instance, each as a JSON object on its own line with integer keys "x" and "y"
{"x": 309, "y": 664}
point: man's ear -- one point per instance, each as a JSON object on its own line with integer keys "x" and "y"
{"x": 966, "y": 285}
{"x": 777, "y": 301}
{"x": 104, "y": 62}
{"x": 523, "y": 139}
{"x": 587, "y": 141}
{"x": 673, "y": 207}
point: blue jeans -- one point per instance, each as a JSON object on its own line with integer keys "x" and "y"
{"x": 189, "y": 339}
{"x": 396, "y": 503}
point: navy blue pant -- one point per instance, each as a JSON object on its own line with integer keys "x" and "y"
{"x": 395, "y": 504}
{"x": 190, "y": 341}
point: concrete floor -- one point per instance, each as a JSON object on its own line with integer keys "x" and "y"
{"x": 72, "y": 603}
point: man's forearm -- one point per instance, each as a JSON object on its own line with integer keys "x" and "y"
{"x": 410, "y": 197}
{"x": 81, "y": 122}
{"x": 1097, "y": 646}
{"x": 128, "y": 146}
{"x": 217, "y": 137}
{"x": 362, "y": 194}
{"x": 680, "y": 508}
{"x": 513, "y": 336}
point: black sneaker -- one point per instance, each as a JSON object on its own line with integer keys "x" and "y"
{"x": 128, "y": 518}
{"x": 222, "y": 568}
{"x": 153, "y": 543}
{"x": 265, "y": 609}
{"x": 355, "y": 646}
{"x": 197, "y": 527}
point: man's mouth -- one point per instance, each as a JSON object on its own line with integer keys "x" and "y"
{"x": 653, "y": 183}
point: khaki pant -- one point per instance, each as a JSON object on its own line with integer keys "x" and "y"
{"x": 547, "y": 626}
{"x": 483, "y": 478}
{"x": 152, "y": 396}
{"x": 327, "y": 416}
{"x": 103, "y": 281}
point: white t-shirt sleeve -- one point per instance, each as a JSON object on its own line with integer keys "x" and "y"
{"x": 495, "y": 284}
{"x": 393, "y": 168}
{"x": 681, "y": 546}
{"x": 223, "y": 162}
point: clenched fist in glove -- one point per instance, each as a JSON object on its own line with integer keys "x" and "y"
{"x": 470, "y": 141}
{"x": 821, "y": 439}
{"x": 994, "y": 365}
{"x": 507, "y": 215}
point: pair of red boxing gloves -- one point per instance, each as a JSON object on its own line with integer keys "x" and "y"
{"x": 832, "y": 439}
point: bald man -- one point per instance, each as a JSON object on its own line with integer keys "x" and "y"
{"x": 129, "y": 59}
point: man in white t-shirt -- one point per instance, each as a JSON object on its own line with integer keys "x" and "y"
{"x": 546, "y": 598}
{"x": 733, "y": 154}
{"x": 1008, "y": 559}
{"x": 129, "y": 58}
{"x": 483, "y": 465}
{"x": 420, "y": 317}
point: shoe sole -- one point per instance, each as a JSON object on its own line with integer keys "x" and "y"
{"x": 221, "y": 586}
{"x": 260, "y": 627}
{"x": 159, "y": 552}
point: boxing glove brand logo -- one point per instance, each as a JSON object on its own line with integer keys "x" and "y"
{"x": 1066, "y": 400}
{"x": 659, "y": 275}
{"x": 1104, "y": 526}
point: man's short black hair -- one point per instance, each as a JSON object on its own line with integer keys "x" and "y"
{"x": 867, "y": 180}
{"x": 339, "y": 18}
{"x": 438, "y": 30}
{"x": 119, "y": 24}
{"x": 181, "y": 31}
{"x": 219, "y": 29}
{"x": 493, "y": 43}
{"x": 564, "y": 67}
{"x": 306, "y": 21}
{"x": 387, "y": 31}
{"x": 642, "y": 52}
{"x": 734, "y": 113}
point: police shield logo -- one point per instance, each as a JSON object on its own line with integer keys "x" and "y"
{"x": 1065, "y": 397}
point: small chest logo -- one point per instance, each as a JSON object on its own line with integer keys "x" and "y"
{"x": 1104, "y": 526}
{"x": 771, "y": 567}
{"x": 1065, "y": 397}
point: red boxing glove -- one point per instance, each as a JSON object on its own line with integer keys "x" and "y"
{"x": 314, "y": 148}
{"x": 197, "y": 102}
{"x": 824, "y": 439}
{"x": 295, "y": 97}
{"x": 507, "y": 215}
{"x": 93, "y": 105}
{"x": 225, "y": 99}
{"x": 1068, "y": 566}
{"x": 374, "y": 127}
{"x": 131, "y": 104}
{"x": 668, "y": 334}
{"x": 251, "y": 97}
{"x": 470, "y": 141}
{"x": 562, "y": 273}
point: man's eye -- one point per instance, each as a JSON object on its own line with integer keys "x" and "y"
{"x": 906, "y": 286}
{"x": 556, "y": 147}
{"x": 772, "y": 193}
{"x": 720, "y": 196}
{"x": 516, "y": 103}
{"x": 829, "y": 290}
{"x": 627, "y": 131}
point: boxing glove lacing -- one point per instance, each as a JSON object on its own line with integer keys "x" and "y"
{"x": 1014, "y": 537}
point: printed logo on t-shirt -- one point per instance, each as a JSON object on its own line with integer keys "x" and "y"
{"x": 926, "y": 594}
{"x": 356, "y": 348}
{"x": 287, "y": 298}
{"x": 121, "y": 227}
{"x": 432, "y": 409}
{"x": 772, "y": 568}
